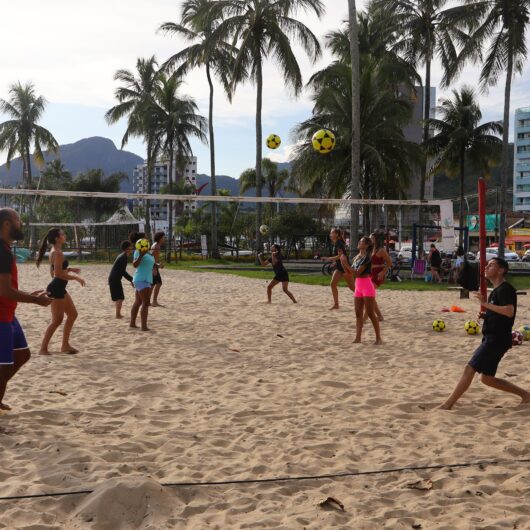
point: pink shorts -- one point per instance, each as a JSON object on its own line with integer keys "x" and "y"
{"x": 364, "y": 288}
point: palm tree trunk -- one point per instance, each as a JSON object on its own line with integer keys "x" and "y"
{"x": 259, "y": 141}
{"x": 213, "y": 236}
{"x": 356, "y": 126}
{"x": 505, "y": 154}
{"x": 148, "y": 187}
{"x": 426, "y": 117}
{"x": 461, "y": 216}
{"x": 169, "y": 244}
{"x": 28, "y": 184}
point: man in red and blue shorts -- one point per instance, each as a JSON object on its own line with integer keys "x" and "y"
{"x": 14, "y": 351}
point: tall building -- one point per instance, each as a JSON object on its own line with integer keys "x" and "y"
{"x": 159, "y": 209}
{"x": 521, "y": 167}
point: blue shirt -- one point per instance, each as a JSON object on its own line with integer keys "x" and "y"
{"x": 144, "y": 271}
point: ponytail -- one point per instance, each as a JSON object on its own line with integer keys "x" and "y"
{"x": 49, "y": 238}
{"x": 339, "y": 233}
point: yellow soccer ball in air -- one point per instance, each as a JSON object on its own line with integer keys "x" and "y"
{"x": 323, "y": 141}
{"x": 438, "y": 325}
{"x": 472, "y": 327}
{"x": 142, "y": 245}
{"x": 264, "y": 229}
{"x": 273, "y": 141}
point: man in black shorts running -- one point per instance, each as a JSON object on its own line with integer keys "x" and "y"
{"x": 14, "y": 350}
{"x": 499, "y": 316}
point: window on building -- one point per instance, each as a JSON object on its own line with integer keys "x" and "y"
{"x": 523, "y": 149}
{"x": 523, "y": 136}
{"x": 523, "y": 123}
{"x": 523, "y": 187}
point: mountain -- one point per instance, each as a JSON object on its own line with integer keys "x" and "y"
{"x": 90, "y": 153}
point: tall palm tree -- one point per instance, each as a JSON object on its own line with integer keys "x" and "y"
{"x": 424, "y": 29}
{"x": 264, "y": 29}
{"x": 500, "y": 27}
{"x": 460, "y": 137}
{"x": 135, "y": 101}
{"x": 176, "y": 117}
{"x": 197, "y": 28}
{"x": 21, "y": 132}
{"x": 355, "y": 125}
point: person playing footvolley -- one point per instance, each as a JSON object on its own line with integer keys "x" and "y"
{"x": 119, "y": 271}
{"x": 499, "y": 316}
{"x": 280, "y": 272}
{"x": 14, "y": 350}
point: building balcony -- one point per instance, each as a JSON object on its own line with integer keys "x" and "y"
{"x": 520, "y": 142}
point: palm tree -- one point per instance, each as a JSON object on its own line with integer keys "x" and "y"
{"x": 197, "y": 28}
{"x": 460, "y": 137}
{"x": 275, "y": 180}
{"x": 135, "y": 100}
{"x": 355, "y": 125}
{"x": 21, "y": 131}
{"x": 263, "y": 29}
{"x": 424, "y": 29}
{"x": 177, "y": 119}
{"x": 500, "y": 27}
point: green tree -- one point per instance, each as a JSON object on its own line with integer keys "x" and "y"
{"x": 460, "y": 137}
{"x": 197, "y": 28}
{"x": 424, "y": 29}
{"x": 501, "y": 28}
{"x": 136, "y": 102}
{"x": 176, "y": 117}
{"x": 22, "y": 131}
{"x": 265, "y": 29}
{"x": 55, "y": 176}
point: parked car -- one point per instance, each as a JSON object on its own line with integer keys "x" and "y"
{"x": 493, "y": 252}
{"x": 526, "y": 256}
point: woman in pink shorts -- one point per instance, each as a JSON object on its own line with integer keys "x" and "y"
{"x": 365, "y": 290}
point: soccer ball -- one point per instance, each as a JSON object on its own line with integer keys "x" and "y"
{"x": 264, "y": 229}
{"x": 517, "y": 338}
{"x": 273, "y": 141}
{"x": 323, "y": 141}
{"x": 525, "y": 332}
{"x": 471, "y": 327}
{"x": 142, "y": 245}
{"x": 438, "y": 325}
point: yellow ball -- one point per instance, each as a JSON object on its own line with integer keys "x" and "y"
{"x": 438, "y": 325}
{"x": 273, "y": 141}
{"x": 264, "y": 229}
{"x": 323, "y": 141}
{"x": 472, "y": 327}
{"x": 142, "y": 244}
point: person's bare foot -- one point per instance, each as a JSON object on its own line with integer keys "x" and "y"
{"x": 44, "y": 352}
{"x": 146, "y": 329}
{"x": 525, "y": 400}
{"x": 119, "y": 316}
{"x": 3, "y": 406}
{"x": 70, "y": 350}
{"x": 333, "y": 307}
{"x": 133, "y": 326}
{"x": 378, "y": 342}
{"x": 444, "y": 406}
{"x": 156, "y": 304}
{"x": 357, "y": 341}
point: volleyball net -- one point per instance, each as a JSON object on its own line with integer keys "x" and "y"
{"x": 96, "y": 222}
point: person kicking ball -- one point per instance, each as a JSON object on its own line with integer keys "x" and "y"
{"x": 499, "y": 316}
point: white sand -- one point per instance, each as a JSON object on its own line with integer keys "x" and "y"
{"x": 213, "y": 393}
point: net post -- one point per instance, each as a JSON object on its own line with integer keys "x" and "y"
{"x": 482, "y": 233}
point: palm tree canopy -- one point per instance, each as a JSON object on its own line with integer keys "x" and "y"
{"x": 500, "y": 27}
{"x": 25, "y": 109}
{"x": 262, "y": 29}
{"x": 274, "y": 179}
{"x": 458, "y": 133}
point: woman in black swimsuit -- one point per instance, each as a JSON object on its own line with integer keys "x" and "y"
{"x": 340, "y": 257}
{"x": 62, "y": 303}
{"x": 280, "y": 273}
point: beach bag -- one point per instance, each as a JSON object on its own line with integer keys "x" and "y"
{"x": 468, "y": 277}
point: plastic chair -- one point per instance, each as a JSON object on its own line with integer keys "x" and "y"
{"x": 418, "y": 267}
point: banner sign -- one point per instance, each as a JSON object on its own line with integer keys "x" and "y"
{"x": 492, "y": 222}
{"x": 447, "y": 223}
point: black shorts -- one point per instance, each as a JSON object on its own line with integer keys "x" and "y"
{"x": 488, "y": 355}
{"x": 116, "y": 290}
{"x": 282, "y": 277}
{"x": 57, "y": 288}
{"x": 157, "y": 279}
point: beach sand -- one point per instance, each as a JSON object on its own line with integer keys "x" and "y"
{"x": 228, "y": 388}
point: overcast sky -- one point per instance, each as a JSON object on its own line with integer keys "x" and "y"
{"x": 70, "y": 51}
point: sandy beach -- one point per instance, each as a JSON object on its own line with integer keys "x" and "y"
{"x": 228, "y": 388}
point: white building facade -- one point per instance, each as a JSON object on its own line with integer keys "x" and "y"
{"x": 159, "y": 209}
{"x": 521, "y": 167}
